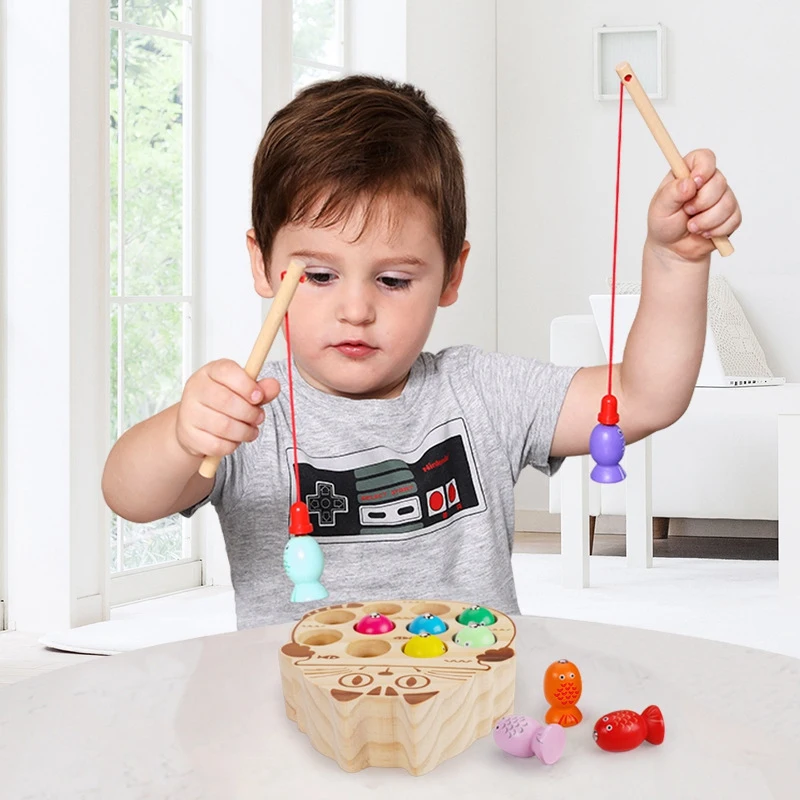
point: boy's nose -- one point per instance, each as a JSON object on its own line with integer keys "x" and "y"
{"x": 356, "y": 307}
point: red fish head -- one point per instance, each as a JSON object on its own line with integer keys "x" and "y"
{"x": 626, "y": 730}
{"x": 603, "y": 733}
{"x": 618, "y": 731}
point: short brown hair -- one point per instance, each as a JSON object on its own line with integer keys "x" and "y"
{"x": 360, "y": 137}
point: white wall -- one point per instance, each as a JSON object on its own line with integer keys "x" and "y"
{"x": 377, "y": 37}
{"x": 447, "y": 48}
{"x": 732, "y": 86}
{"x": 451, "y": 54}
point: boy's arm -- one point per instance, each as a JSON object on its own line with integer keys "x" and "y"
{"x": 148, "y": 475}
{"x": 152, "y": 471}
{"x": 655, "y": 381}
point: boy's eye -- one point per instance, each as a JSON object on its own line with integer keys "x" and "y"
{"x": 319, "y": 278}
{"x": 391, "y": 282}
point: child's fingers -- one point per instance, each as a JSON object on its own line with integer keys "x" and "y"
{"x": 708, "y": 195}
{"x": 222, "y": 399}
{"x": 673, "y": 195}
{"x": 724, "y": 209}
{"x": 271, "y": 389}
{"x": 221, "y": 408}
{"x": 228, "y": 432}
{"x": 230, "y": 374}
{"x": 702, "y": 165}
{"x": 202, "y": 443}
{"x": 701, "y": 205}
{"x": 718, "y": 224}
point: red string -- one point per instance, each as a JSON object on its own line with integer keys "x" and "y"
{"x": 291, "y": 408}
{"x": 616, "y": 226}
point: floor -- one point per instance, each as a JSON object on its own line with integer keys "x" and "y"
{"x": 740, "y": 548}
{"x": 714, "y": 561}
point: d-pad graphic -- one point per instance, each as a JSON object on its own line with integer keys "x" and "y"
{"x": 326, "y": 503}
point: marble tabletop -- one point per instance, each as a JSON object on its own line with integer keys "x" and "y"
{"x": 205, "y": 718}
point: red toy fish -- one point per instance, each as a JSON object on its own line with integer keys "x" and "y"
{"x": 626, "y": 730}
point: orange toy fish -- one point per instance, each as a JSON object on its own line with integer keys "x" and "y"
{"x": 562, "y": 689}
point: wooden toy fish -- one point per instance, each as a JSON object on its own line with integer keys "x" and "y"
{"x": 523, "y": 737}
{"x": 427, "y": 623}
{"x": 474, "y": 635}
{"x": 562, "y": 689}
{"x": 374, "y": 623}
{"x": 625, "y": 730}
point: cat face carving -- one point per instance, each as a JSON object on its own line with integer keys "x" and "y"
{"x": 386, "y": 682}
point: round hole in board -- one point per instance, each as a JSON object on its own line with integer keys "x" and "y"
{"x": 387, "y": 609}
{"x": 368, "y": 648}
{"x": 334, "y": 617}
{"x": 320, "y": 638}
{"x": 436, "y": 609}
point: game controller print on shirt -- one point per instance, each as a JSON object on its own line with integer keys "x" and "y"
{"x": 379, "y": 493}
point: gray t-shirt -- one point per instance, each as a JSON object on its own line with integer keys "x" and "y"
{"x": 410, "y": 498}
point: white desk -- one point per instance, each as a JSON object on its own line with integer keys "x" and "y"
{"x": 204, "y": 719}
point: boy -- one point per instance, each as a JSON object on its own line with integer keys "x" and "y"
{"x": 408, "y": 459}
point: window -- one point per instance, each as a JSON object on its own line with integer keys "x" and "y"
{"x": 152, "y": 302}
{"x": 318, "y": 37}
{"x": 150, "y": 258}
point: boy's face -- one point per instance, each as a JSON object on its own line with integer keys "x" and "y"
{"x": 365, "y": 310}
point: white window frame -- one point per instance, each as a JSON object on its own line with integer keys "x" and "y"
{"x": 180, "y": 574}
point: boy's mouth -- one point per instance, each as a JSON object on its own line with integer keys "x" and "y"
{"x": 355, "y": 348}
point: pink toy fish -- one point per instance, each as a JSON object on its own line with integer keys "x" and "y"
{"x": 524, "y": 737}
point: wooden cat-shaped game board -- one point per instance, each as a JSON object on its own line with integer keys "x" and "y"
{"x": 400, "y": 683}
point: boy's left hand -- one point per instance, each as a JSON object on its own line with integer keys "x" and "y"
{"x": 685, "y": 214}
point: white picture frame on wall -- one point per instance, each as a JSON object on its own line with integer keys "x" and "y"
{"x": 642, "y": 46}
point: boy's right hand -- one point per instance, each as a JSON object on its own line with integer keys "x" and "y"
{"x": 221, "y": 408}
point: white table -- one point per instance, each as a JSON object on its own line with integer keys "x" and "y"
{"x": 205, "y": 718}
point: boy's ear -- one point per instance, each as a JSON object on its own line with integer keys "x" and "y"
{"x": 262, "y": 285}
{"x": 450, "y": 291}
